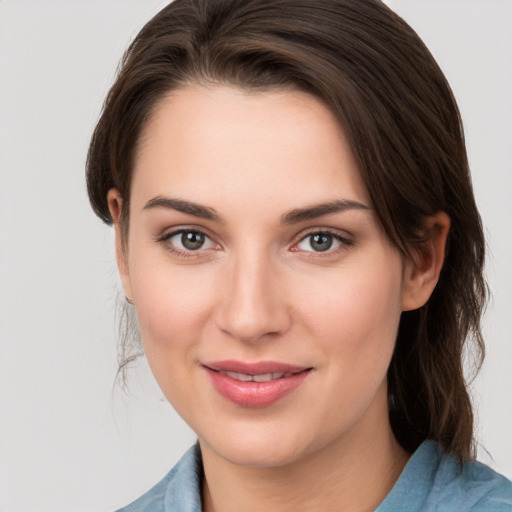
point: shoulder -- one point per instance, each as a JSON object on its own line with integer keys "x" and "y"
{"x": 178, "y": 490}
{"x": 434, "y": 481}
{"x": 475, "y": 486}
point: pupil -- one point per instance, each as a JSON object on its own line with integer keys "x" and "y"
{"x": 192, "y": 240}
{"x": 321, "y": 242}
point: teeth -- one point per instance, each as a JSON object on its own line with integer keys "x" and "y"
{"x": 264, "y": 377}
{"x": 238, "y": 376}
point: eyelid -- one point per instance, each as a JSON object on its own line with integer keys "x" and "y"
{"x": 180, "y": 228}
{"x": 343, "y": 237}
{"x": 169, "y": 233}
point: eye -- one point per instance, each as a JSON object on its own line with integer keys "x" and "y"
{"x": 188, "y": 240}
{"x": 321, "y": 241}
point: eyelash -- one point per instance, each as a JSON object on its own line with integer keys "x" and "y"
{"x": 344, "y": 243}
{"x": 165, "y": 241}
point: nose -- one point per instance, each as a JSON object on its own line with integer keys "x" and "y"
{"x": 253, "y": 306}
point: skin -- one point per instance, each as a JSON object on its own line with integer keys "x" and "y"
{"x": 257, "y": 290}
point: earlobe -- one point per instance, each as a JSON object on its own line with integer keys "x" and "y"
{"x": 115, "y": 205}
{"x": 422, "y": 274}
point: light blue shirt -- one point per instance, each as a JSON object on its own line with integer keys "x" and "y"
{"x": 432, "y": 481}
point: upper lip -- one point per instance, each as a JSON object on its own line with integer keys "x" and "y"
{"x": 258, "y": 368}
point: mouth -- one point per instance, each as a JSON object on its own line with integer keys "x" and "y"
{"x": 262, "y": 377}
{"x": 255, "y": 385}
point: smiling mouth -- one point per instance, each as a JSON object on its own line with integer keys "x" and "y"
{"x": 263, "y": 377}
{"x": 255, "y": 385}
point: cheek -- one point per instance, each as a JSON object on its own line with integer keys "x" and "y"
{"x": 173, "y": 303}
{"x": 354, "y": 323}
{"x": 357, "y": 310}
{"x": 173, "y": 307}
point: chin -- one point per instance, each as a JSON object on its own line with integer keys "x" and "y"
{"x": 258, "y": 447}
{"x": 260, "y": 456}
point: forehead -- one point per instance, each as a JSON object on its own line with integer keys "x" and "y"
{"x": 203, "y": 141}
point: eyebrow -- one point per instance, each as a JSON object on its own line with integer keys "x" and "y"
{"x": 319, "y": 210}
{"x": 188, "y": 207}
{"x": 292, "y": 217}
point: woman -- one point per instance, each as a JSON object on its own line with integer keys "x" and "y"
{"x": 296, "y": 229}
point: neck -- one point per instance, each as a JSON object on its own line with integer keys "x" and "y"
{"x": 354, "y": 473}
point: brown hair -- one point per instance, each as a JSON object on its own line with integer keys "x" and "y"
{"x": 401, "y": 119}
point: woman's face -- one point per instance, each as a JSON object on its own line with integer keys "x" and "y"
{"x": 267, "y": 295}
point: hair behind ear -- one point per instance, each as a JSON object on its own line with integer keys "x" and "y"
{"x": 428, "y": 397}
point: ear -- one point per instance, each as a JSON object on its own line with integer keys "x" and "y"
{"x": 115, "y": 205}
{"x": 422, "y": 274}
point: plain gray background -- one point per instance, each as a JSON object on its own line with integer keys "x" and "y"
{"x": 68, "y": 440}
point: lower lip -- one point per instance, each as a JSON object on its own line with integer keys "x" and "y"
{"x": 255, "y": 394}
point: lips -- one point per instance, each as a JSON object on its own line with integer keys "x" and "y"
{"x": 255, "y": 384}
{"x": 264, "y": 377}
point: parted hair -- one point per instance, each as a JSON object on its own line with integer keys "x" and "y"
{"x": 402, "y": 122}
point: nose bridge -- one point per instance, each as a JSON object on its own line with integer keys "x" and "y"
{"x": 252, "y": 304}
